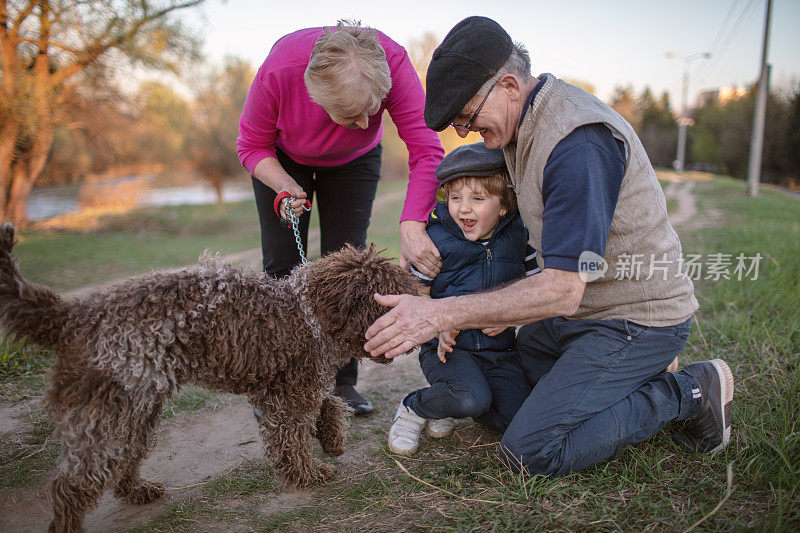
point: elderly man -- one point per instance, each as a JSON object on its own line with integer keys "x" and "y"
{"x": 611, "y": 307}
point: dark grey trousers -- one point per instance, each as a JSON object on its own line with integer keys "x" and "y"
{"x": 598, "y": 386}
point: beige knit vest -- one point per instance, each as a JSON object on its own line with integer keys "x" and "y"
{"x": 645, "y": 280}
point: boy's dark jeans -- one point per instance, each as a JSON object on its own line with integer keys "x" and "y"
{"x": 598, "y": 386}
{"x": 487, "y": 386}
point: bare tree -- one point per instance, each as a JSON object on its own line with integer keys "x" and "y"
{"x": 212, "y": 138}
{"x": 45, "y": 46}
{"x": 420, "y": 51}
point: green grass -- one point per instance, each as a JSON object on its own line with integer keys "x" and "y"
{"x": 755, "y": 326}
{"x": 26, "y": 458}
{"x": 384, "y": 228}
{"x": 254, "y": 477}
{"x": 163, "y": 237}
{"x": 177, "y": 517}
{"x": 20, "y": 361}
{"x": 305, "y": 519}
{"x": 190, "y": 399}
{"x": 135, "y": 242}
{"x": 21, "y": 369}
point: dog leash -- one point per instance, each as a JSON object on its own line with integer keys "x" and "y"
{"x": 294, "y": 221}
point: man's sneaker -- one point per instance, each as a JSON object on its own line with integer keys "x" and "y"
{"x": 359, "y": 404}
{"x": 438, "y": 429}
{"x": 710, "y": 429}
{"x": 404, "y": 434}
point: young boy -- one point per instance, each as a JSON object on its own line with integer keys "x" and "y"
{"x": 483, "y": 243}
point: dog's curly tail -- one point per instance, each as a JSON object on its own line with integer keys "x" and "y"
{"x": 26, "y": 309}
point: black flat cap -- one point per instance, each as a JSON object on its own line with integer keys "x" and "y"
{"x": 470, "y": 54}
{"x": 474, "y": 160}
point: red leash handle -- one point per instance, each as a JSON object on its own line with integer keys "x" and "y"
{"x": 278, "y": 199}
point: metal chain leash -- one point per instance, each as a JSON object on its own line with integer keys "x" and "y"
{"x": 295, "y": 222}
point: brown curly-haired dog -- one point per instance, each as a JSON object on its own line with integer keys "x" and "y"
{"x": 122, "y": 352}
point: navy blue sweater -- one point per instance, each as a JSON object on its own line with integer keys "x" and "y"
{"x": 469, "y": 267}
{"x": 582, "y": 180}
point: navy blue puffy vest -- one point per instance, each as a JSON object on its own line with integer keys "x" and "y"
{"x": 469, "y": 267}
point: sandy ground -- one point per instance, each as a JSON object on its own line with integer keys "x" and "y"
{"x": 198, "y": 446}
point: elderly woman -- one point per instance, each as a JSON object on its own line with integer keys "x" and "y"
{"x": 311, "y": 125}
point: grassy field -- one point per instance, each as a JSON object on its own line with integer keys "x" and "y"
{"x": 458, "y": 484}
{"x": 123, "y": 244}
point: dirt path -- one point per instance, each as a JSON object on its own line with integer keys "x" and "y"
{"x": 687, "y": 208}
{"x": 198, "y": 446}
{"x": 687, "y": 215}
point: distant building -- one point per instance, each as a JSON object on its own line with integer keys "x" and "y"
{"x": 720, "y": 96}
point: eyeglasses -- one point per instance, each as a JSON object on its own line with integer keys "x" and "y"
{"x": 468, "y": 125}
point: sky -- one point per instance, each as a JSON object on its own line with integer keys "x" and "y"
{"x": 607, "y": 43}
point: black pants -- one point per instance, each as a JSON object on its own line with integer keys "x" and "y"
{"x": 343, "y": 196}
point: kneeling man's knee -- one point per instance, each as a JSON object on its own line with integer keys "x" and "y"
{"x": 532, "y": 459}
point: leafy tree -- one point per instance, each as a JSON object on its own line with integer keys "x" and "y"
{"x": 652, "y": 120}
{"x": 84, "y": 131}
{"x": 46, "y": 48}
{"x": 163, "y": 121}
{"x": 657, "y": 129}
{"x": 585, "y": 85}
{"x": 218, "y": 105}
{"x": 721, "y": 136}
{"x": 792, "y": 139}
{"x": 623, "y": 102}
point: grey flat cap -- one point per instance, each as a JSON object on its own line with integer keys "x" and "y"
{"x": 470, "y": 160}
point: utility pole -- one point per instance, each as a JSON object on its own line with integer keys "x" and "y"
{"x": 759, "y": 114}
{"x": 684, "y": 119}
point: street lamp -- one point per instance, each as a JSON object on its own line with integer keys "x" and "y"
{"x": 684, "y": 120}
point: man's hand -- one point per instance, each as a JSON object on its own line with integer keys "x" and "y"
{"x": 447, "y": 339}
{"x": 412, "y": 321}
{"x": 417, "y": 248}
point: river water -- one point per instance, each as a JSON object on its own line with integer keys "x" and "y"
{"x": 134, "y": 191}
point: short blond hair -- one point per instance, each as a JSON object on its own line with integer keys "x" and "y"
{"x": 347, "y": 72}
{"x": 495, "y": 185}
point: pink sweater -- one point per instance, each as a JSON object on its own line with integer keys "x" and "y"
{"x": 279, "y": 112}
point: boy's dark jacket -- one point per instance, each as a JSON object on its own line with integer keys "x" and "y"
{"x": 469, "y": 267}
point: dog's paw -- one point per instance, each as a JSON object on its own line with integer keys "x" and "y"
{"x": 334, "y": 449}
{"x": 143, "y": 492}
{"x": 333, "y": 445}
{"x": 319, "y": 474}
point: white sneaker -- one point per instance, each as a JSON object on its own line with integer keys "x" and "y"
{"x": 405, "y": 431}
{"x": 439, "y": 429}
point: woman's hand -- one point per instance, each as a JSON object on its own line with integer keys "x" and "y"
{"x": 270, "y": 172}
{"x": 299, "y": 196}
{"x": 417, "y": 248}
{"x": 447, "y": 339}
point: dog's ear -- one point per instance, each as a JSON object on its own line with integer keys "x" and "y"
{"x": 343, "y": 285}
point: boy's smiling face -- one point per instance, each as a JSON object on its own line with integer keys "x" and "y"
{"x": 475, "y": 211}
